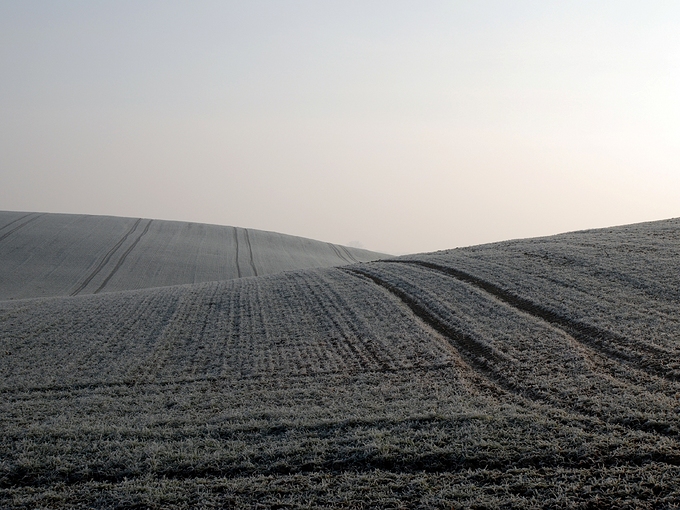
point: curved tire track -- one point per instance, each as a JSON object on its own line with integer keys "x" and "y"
{"x": 106, "y": 258}
{"x": 475, "y": 353}
{"x": 123, "y": 257}
{"x": 588, "y": 335}
{"x": 481, "y": 359}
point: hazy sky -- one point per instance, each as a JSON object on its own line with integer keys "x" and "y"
{"x": 405, "y": 126}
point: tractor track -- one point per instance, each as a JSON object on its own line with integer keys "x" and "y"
{"x": 123, "y": 257}
{"x": 481, "y": 359}
{"x": 339, "y": 254}
{"x": 7, "y": 234}
{"x": 106, "y": 258}
{"x": 590, "y": 336}
{"x": 14, "y": 221}
{"x": 250, "y": 251}
{"x": 349, "y": 254}
{"x": 238, "y": 267}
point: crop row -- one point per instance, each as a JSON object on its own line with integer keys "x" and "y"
{"x": 301, "y": 323}
{"x": 394, "y": 422}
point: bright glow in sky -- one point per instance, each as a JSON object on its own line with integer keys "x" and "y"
{"x": 404, "y": 126}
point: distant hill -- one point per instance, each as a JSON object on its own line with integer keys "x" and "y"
{"x": 73, "y": 254}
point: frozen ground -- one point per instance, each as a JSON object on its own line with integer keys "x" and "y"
{"x": 530, "y": 373}
{"x": 67, "y": 254}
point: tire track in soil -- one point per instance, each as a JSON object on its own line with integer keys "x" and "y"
{"x": 473, "y": 352}
{"x": 352, "y": 257}
{"x": 14, "y": 221}
{"x": 238, "y": 267}
{"x": 106, "y": 258}
{"x": 340, "y": 255}
{"x": 123, "y": 257}
{"x": 481, "y": 358}
{"x": 7, "y": 234}
{"x": 250, "y": 251}
{"x": 590, "y": 336}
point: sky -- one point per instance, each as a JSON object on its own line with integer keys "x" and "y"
{"x": 398, "y": 126}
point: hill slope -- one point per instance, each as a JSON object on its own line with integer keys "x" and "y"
{"x": 539, "y": 372}
{"x": 66, "y": 254}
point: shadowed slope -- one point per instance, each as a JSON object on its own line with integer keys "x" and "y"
{"x": 63, "y": 254}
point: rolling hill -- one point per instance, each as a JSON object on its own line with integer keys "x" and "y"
{"x": 530, "y": 373}
{"x": 70, "y": 254}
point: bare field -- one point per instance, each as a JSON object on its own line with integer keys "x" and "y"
{"x": 533, "y": 373}
{"x": 67, "y": 254}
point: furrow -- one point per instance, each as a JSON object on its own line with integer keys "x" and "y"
{"x": 345, "y": 312}
{"x": 595, "y": 338}
{"x": 17, "y": 392}
{"x": 123, "y": 257}
{"x": 188, "y": 357}
{"x": 331, "y": 313}
{"x": 238, "y": 267}
{"x": 21, "y": 225}
{"x": 250, "y": 252}
{"x": 337, "y": 352}
{"x": 272, "y": 465}
{"x": 106, "y": 259}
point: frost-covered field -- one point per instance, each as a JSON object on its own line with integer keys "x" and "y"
{"x": 68, "y": 254}
{"x": 535, "y": 373}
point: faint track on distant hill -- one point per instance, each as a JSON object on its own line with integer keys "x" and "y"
{"x": 339, "y": 254}
{"x": 14, "y": 221}
{"x": 238, "y": 267}
{"x": 349, "y": 254}
{"x": 106, "y": 258}
{"x": 7, "y": 234}
{"x": 343, "y": 253}
{"x": 586, "y": 334}
{"x": 123, "y": 257}
{"x": 250, "y": 251}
